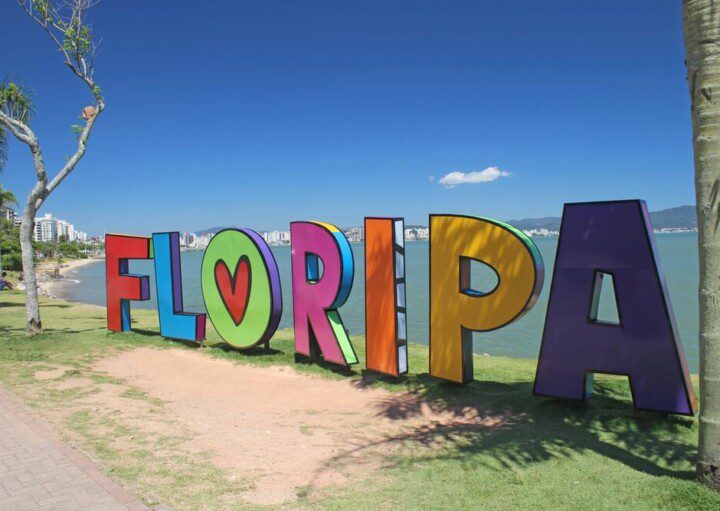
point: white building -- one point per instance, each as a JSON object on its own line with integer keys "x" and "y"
{"x": 49, "y": 228}
{"x": 203, "y": 240}
{"x": 187, "y": 239}
{"x": 46, "y": 228}
{"x": 66, "y": 230}
{"x": 276, "y": 237}
{"x": 8, "y": 214}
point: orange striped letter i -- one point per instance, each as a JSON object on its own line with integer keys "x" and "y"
{"x": 385, "y": 312}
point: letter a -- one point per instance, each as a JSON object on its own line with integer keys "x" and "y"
{"x": 612, "y": 238}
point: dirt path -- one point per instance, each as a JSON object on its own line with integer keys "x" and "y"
{"x": 274, "y": 427}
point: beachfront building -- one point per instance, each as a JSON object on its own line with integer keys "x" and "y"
{"x": 65, "y": 230}
{"x": 277, "y": 237}
{"x": 415, "y": 233}
{"x": 188, "y": 239}
{"x": 46, "y": 228}
{"x": 202, "y": 241}
{"x": 355, "y": 234}
{"x": 7, "y": 213}
{"x": 50, "y": 229}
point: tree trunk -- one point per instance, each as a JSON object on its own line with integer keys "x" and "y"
{"x": 32, "y": 306}
{"x": 701, "y": 23}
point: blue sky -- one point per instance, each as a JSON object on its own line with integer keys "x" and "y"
{"x": 259, "y": 113}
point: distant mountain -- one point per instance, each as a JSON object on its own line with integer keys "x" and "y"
{"x": 551, "y": 223}
{"x": 682, "y": 217}
{"x": 211, "y": 230}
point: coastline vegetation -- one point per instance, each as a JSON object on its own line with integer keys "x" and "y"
{"x": 547, "y": 454}
{"x": 44, "y": 250}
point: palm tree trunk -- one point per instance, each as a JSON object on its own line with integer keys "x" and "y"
{"x": 701, "y": 24}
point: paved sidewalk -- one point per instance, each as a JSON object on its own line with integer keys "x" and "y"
{"x": 38, "y": 471}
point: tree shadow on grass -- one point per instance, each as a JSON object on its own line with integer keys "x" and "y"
{"x": 11, "y": 305}
{"x": 56, "y": 306}
{"x": 504, "y": 427}
{"x": 43, "y": 305}
{"x": 69, "y": 330}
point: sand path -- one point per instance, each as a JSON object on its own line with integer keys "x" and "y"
{"x": 279, "y": 429}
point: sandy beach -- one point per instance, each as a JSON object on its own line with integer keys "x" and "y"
{"x": 68, "y": 270}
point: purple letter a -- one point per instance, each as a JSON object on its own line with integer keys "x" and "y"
{"x": 615, "y": 239}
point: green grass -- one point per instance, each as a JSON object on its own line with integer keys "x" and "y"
{"x": 545, "y": 453}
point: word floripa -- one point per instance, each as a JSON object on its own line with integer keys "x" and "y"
{"x": 242, "y": 294}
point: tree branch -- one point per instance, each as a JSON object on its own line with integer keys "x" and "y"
{"x": 79, "y": 66}
{"x": 75, "y": 158}
{"x": 21, "y": 131}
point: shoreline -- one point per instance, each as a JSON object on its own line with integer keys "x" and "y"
{"x": 68, "y": 269}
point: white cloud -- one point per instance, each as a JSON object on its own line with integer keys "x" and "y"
{"x": 431, "y": 178}
{"x": 477, "y": 176}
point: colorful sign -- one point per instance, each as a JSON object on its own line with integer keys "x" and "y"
{"x": 174, "y": 322}
{"x": 317, "y": 295}
{"x": 241, "y": 287}
{"x": 385, "y": 312}
{"x": 612, "y": 238}
{"x": 456, "y": 310}
{"x": 120, "y": 285}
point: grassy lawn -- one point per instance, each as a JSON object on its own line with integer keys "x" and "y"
{"x": 547, "y": 454}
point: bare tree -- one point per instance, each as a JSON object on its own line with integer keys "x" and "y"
{"x": 65, "y": 23}
{"x": 701, "y": 24}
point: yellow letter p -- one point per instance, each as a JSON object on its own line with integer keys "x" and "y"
{"x": 456, "y": 310}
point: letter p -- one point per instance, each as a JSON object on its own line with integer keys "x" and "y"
{"x": 456, "y": 310}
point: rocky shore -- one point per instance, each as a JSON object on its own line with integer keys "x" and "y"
{"x": 48, "y": 280}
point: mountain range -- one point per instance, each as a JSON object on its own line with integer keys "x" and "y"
{"x": 682, "y": 217}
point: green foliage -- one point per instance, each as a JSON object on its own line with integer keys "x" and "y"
{"x": 43, "y": 8}
{"x": 64, "y": 249}
{"x": 78, "y": 38}
{"x": 77, "y": 130}
{"x": 16, "y": 101}
{"x": 65, "y": 21}
{"x": 7, "y": 198}
{"x": 10, "y": 246}
{"x": 12, "y": 256}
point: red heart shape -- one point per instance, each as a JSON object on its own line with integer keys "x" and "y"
{"x": 234, "y": 289}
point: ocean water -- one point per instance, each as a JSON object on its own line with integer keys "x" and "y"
{"x": 678, "y": 256}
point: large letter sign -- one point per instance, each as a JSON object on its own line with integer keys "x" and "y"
{"x": 455, "y": 308}
{"x": 598, "y": 241}
{"x": 241, "y": 287}
{"x": 385, "y": 312}
{"x": 316, "y": 297}
{"x": 174, "y": 322}
{"x": 612, "y": 238}
{"x": 120, "y": 286}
